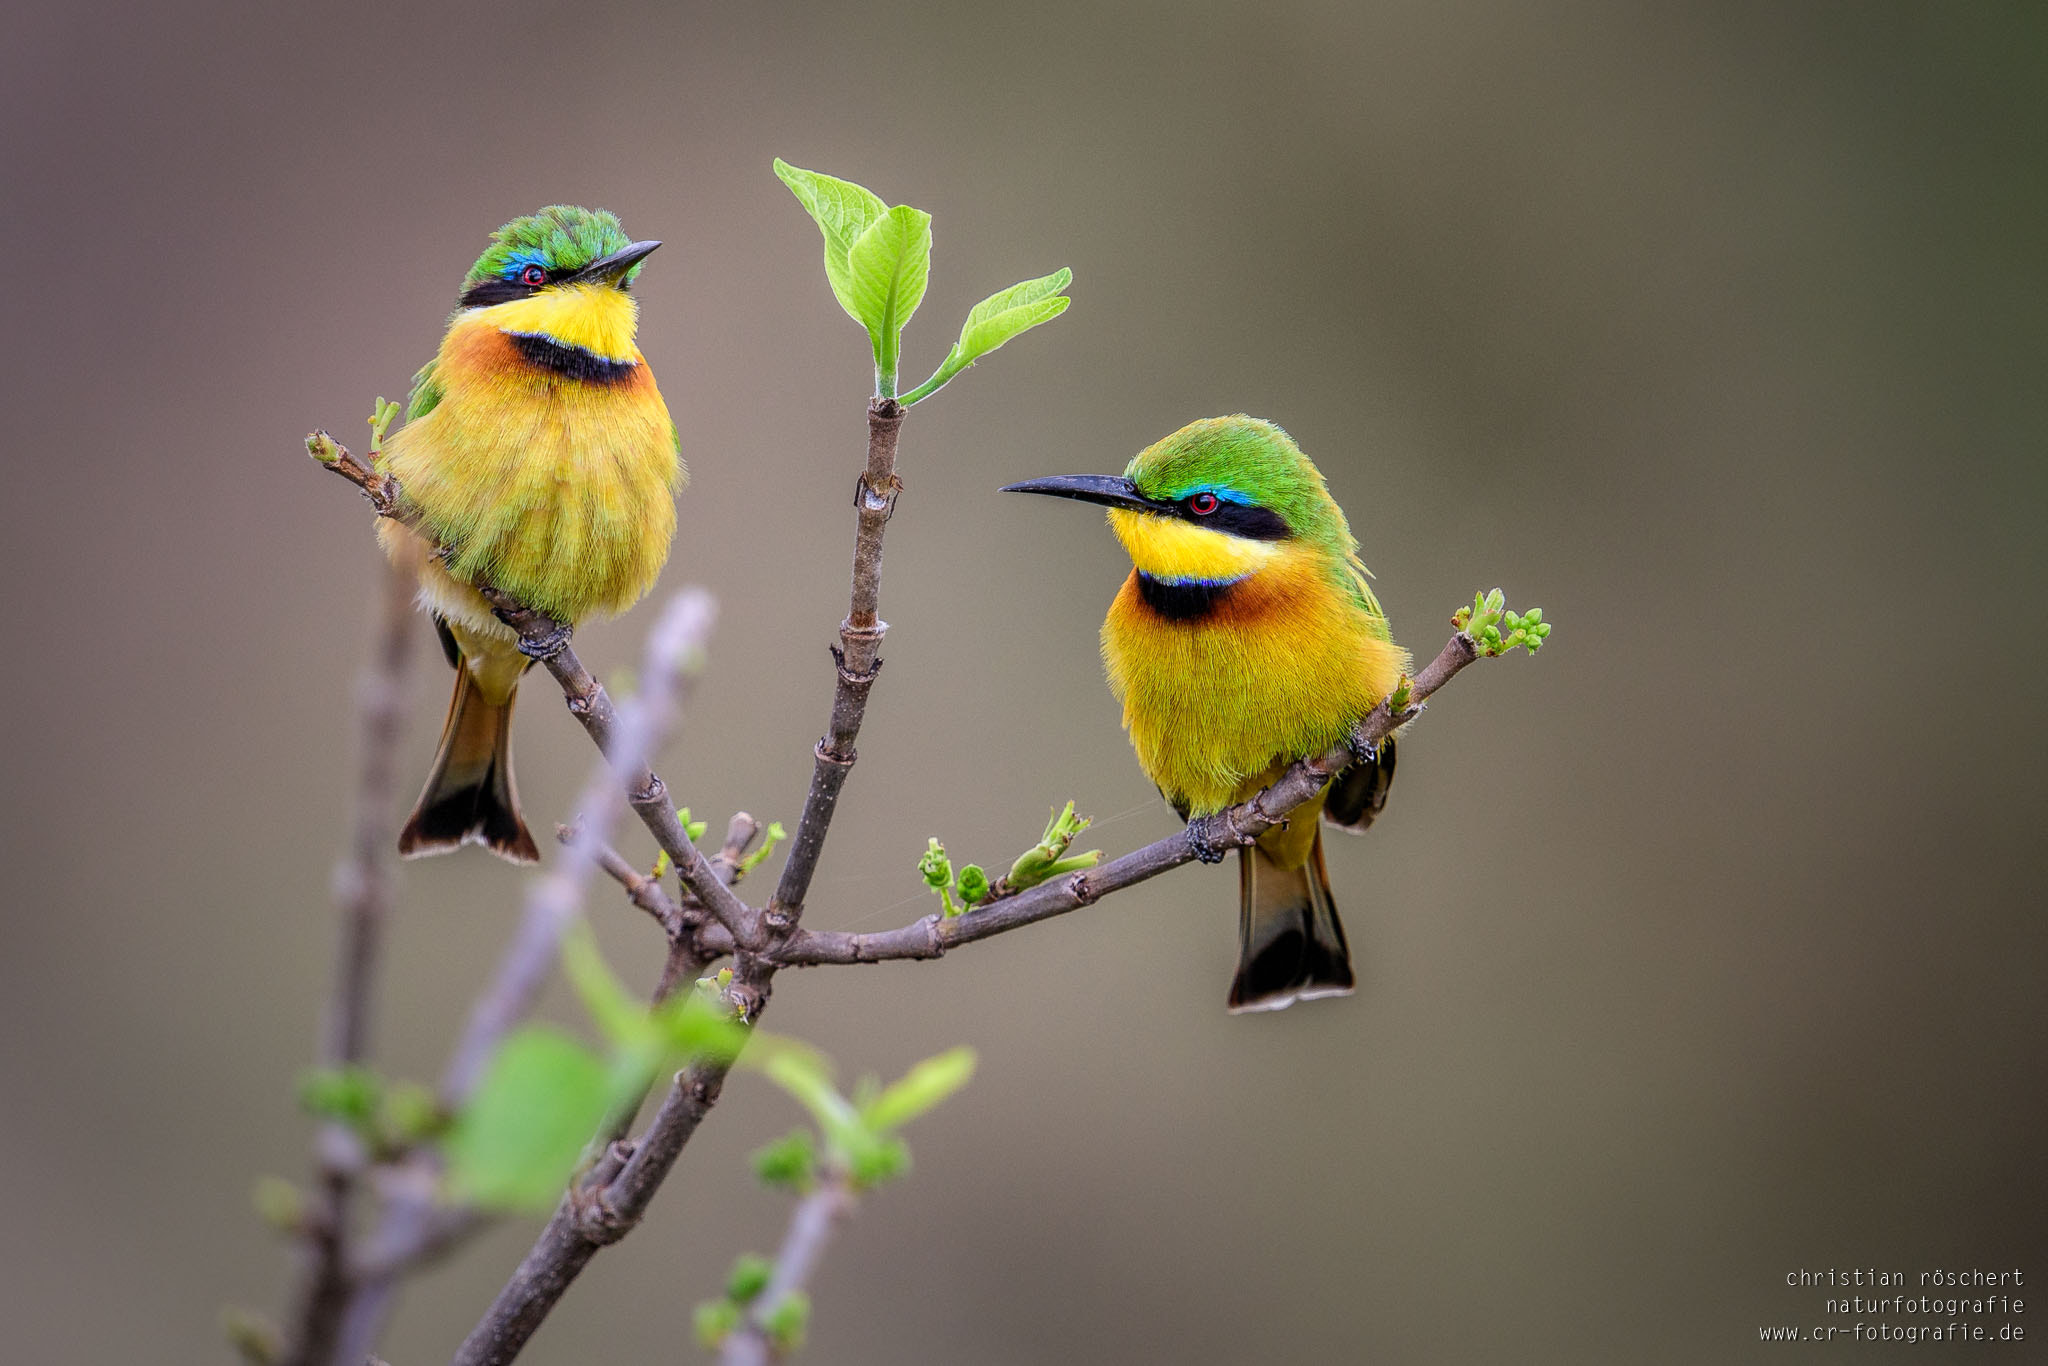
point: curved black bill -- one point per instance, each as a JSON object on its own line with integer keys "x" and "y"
{"x": 608, "y": 269}
{"x": 1111, "y": 490}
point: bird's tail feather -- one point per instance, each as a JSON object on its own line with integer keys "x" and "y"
{"x": 470, "y": 797}
{"x": 1292, "y": 944}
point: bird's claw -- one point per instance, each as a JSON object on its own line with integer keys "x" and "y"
{"x": 1211, "y": 838}
{"x": 544, "y": 646}
{"x": 1363, "y": 751}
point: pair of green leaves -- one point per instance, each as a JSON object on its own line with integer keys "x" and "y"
{"x": 858, "y": 1133}
{"x": 878, "y": 260}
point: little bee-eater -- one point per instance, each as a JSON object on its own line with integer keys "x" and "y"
{"x": 1247, "y": 637}
{"x": 538, "y": 454}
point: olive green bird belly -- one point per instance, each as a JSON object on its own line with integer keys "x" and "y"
{"x": 558, "y": 490}
{"x": 1280, "y": 668}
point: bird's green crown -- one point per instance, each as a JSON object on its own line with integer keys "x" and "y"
{"x": 561, "y": 239}
{"x": 1249, "y": 462}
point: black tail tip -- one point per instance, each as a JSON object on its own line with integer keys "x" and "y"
{"x": 1292, "y": 967}
{"x": 459, "y": 819}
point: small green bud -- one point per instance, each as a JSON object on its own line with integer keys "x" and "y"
{"x": 884, "y": 1160}
{"x": 775, "y": 835}
{"x": 787, "y": 1322}
{"x": 323, "y": 448}
{"x": 935, "y": 867}
{"x": 411, "y": 1114}
{"x": 694, "y": 829}
{"x": 714, "y": 1322}
{"x": 348, "y": 1095}
{"x": 973, "y": 884}
{"x": 750, "y": 1274}
{"x": 279, "y": 1204}
{"x": 1073, "y": 863}
{"x": 790, "y": 1162}
{"x": 662, "y": 867}
{"x": 381, "y": 418}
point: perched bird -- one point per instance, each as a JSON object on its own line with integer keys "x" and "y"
{"x": 538, "y": 453}
{"x": 1245, "y": 638}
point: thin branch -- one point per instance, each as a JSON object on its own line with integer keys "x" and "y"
{"x": 690, "y": 937}
{"x": 555, "y": 896}
{"x": 641, "y": 890}
{"x": 362, "y": 893}
{"x": 810, "y": 1228}
{"x": 858, "y": 657}
{"x": 543, "y": 638}
{"x": 932, "y": 935}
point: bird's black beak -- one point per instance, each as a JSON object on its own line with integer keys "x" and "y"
{"x": 609, "y": 270}
{"x": 1111, "y": 490}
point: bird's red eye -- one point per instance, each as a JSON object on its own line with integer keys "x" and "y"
{"x": 536, "y": 276}
{"x": 1202, "y": 504}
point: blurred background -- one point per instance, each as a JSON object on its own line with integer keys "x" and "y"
{"x": 1703, "y": 948}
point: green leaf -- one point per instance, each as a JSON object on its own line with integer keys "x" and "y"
{"x": 999, "y": 318}
{"x": 888, "y": 267}
{"x": 808, "y": 1077}
{"x": 696, "y": 1025}
{"x": 842, "y": 211}
{"x": 921, "y": 1088}
{"x": 515, "y": 1145}
{"x": 1012, "y": 312}
{"x": 622, "y": 1019}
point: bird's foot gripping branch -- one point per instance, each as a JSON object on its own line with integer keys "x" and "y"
{"x": 531, "y": 1119}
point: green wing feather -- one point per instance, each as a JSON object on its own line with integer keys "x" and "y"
{"x": 426, "y": 392}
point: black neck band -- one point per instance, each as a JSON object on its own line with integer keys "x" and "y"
{"x": 571, "y": 361}
{"x": 1182, "y": 601}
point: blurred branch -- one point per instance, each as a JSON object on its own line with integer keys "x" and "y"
{"x": 810, "y": 1228}
{"x": 362, "y": 893}
{"x": 555, "y": 895}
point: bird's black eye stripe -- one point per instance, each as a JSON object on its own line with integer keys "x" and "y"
{"x": 1252, "y": 523}
{"x": 484, "y": 293}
